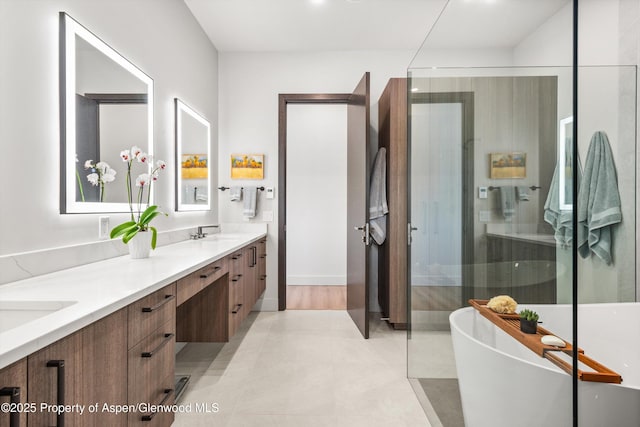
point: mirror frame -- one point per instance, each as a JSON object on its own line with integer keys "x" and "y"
{"x": 69, "y": 29}
{"x": 181, "y": 107}
{"x": 566, "y": 123}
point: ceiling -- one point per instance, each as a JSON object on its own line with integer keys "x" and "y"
{"x": 341, "y": 25}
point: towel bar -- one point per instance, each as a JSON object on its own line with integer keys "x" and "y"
{"x": 532, "y": 188}
{"x": 226, "y": 188}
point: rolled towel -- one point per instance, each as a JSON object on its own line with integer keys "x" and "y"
{"x": 235, "y": 193}
{"x": 250, "y": 199}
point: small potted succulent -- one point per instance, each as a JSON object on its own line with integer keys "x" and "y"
{"x": 528, "y": 321}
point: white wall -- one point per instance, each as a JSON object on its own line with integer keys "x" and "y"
{"x": 160, "y": 36}
{"x": 249, "y": 87}
{"x": 316, "y": 194}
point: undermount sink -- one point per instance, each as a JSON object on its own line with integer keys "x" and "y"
{"x": 17, "y": 313}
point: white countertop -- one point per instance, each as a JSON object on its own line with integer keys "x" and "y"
{"x": 101, "y": 288}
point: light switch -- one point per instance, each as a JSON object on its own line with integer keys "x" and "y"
{"x": 267, "y": 216}
{"x": 484, "y": 216}
{"x": 103, "y": 227}
{"x": 482, "y": 192}
{"x": 270, "y": 193}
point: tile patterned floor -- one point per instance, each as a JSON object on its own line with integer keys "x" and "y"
{"x": 301, "y": 368}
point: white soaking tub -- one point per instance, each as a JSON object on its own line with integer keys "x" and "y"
{"x": 503, "y": 383}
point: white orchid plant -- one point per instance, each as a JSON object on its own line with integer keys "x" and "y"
{"x": 140, "y": 218}
{"x": 101, "y": 174}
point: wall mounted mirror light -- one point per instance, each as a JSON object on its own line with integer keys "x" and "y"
{"x": 193, "y": 140}
{"x": 106, "y": 106}
{"x": 565, "y": 163}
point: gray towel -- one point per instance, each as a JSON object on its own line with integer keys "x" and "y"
{"x": 598, "y": 200}
{"x": 507, "y": 201}
{"x": 522, "y": 193}
{"x": 560, "y": 220}
{"x": 378, "y": 198}
{"x": 235, "y": 193}
{"x": 250, "y": 196}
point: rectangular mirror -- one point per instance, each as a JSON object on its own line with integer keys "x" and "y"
{"x": 193, "y": 139}
{"x": 106, "y": 106}
{"x": 565, "y": 162}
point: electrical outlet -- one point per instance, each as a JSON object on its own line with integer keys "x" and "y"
{"x": 103, "y": 227}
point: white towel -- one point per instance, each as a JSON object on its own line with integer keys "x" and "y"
{"x": 522, "y": 193}
{"x": 250, "y": 199}
{"x": 507, "y": 202}
{"x": 378, "y": 207}
{"x": 235, "y": 193}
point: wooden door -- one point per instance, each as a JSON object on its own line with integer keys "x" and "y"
{"x": 358, "y": 171}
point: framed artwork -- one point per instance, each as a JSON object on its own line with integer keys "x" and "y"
{"x": 194, "y": 166}
{"x": 247, "y": 166}
{"x": 508, "y": 165}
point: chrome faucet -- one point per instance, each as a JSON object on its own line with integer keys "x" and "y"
{"x": 200, "y": 234}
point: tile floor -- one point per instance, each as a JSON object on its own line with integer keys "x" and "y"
{"x": 301, "y": 368}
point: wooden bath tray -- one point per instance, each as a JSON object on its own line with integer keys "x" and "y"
{"x": 510, "y": 323}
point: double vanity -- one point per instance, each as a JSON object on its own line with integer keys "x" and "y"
{"x": 95, "y": 344}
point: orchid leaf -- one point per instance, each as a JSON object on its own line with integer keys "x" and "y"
{"x": 130, "y": 234}
{"x": 147, "y": 212}
{"x": 154, "y": 237}
{"x": 122, "y": 229}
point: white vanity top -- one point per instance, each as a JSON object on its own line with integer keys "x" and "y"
{"x": 99, "y": 289}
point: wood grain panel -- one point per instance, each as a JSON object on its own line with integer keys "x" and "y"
{"x": 204, "y": 318}
{"x": 316, "y": 297}
{"x": 14, "y": 375}
{"x": 142, "y": 321}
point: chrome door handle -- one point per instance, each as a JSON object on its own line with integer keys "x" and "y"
{"x": 410, "y": 230}
{"x": 366, "y": 238}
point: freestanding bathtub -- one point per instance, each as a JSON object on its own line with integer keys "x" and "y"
{"x": 503, "y": 383}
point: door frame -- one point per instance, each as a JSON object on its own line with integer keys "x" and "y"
{"x": 283, "y": 101}
{"x": 466, "y": 99}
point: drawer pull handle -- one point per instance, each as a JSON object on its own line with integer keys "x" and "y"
{"x": 236, "y": 277}
{"x": 166, "y": 299}
{"x": 167, "y": 393}
{"x": 167, "y": 338}
{"x": 14, "y": 396}
{"x": 216, "y": 268}
{"x": 59, "y": 365}
{"x": 237, "y": 309}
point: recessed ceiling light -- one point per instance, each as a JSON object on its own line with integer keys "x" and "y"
{"x": 317, "y": 1}
{"x": 414, "y": 89}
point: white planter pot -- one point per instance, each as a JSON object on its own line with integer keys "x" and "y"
{"x": 140, "y": 245}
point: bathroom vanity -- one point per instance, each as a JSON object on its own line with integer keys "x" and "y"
{"x": 108, "y": 333}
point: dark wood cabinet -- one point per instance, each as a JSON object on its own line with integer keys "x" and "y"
{"x": 261, "y": 280}
{"x": 86, "y": 367}
{"x": 523, "y": 269}
{"x": 150, "y": 356}
{"x": 13, "y": 389}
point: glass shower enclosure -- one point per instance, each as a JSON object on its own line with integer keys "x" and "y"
{"x": 523, "y": 184}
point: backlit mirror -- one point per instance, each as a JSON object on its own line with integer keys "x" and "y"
{"x": 106, "y": 106}
{"x": 193, "y": 136}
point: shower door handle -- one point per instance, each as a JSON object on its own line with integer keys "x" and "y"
{"x": 410, "y": 231}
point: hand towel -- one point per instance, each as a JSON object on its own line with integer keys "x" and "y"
{"x": 378, "y": 207}
{"x": 235, "y": 193}
{"x": 598, "y": 200}
{"x": 250, "y": 196}
{"x": 560, "y": 220}
{"x": 522, "y": 193}
{"x": 507, "y": 201}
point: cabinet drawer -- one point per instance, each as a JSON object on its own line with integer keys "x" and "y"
{"x": 13, "y": 382}
{"x": 163, "y": 395}
{"x": 149, "y": 313}
{"x": 150, "y": 362}
{"x": 198, "y": 280}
